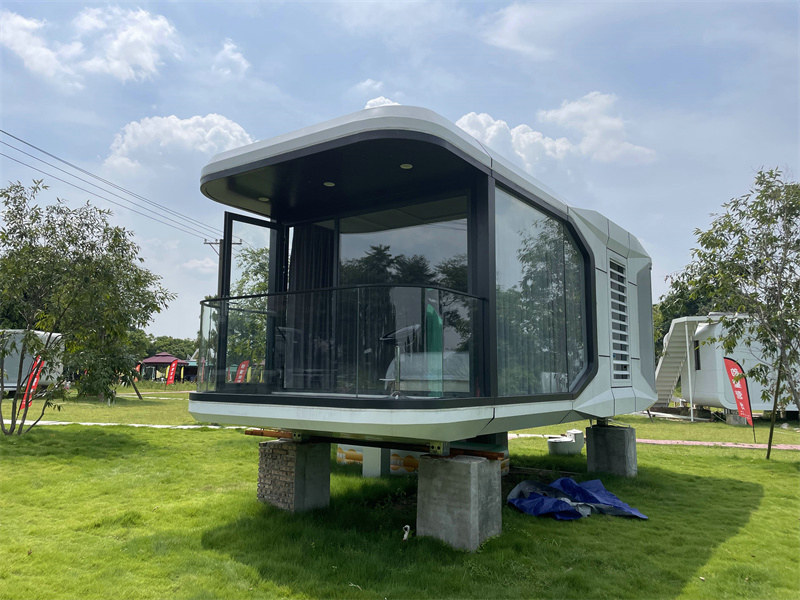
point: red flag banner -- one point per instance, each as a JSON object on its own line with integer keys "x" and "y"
{"x": 33, "y": 383}
{"x": 241, "y": 371}
{"x": 171, "y": 373}
{"x": 740, "y": 391}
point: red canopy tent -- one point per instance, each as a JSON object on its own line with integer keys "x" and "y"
{"x": 162, "y": 360}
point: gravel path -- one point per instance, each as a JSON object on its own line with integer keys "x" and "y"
{"x": 722, "y": 444}
{"x": 512, "y": 436}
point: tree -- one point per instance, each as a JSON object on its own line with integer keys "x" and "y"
{"x": 69, "y": 271}
{"x": 679, "y": 301}
{"x": 179, "y": 347}
{"x": 253, "y": 266}
{"x": 748, "y": 261}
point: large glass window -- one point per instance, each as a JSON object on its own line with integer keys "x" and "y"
{"x": 541, "y": 301}
{"x": 410, "y": 338}
{"x": 422, "y": 244}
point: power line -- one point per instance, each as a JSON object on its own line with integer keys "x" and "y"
{"x": 112, "y": 184}
{"x": 152, "y": 218}
{"x": 179, "y": 223}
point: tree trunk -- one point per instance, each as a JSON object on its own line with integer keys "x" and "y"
{"x": 135, "y": 389}
{"x": 775, "y": 404}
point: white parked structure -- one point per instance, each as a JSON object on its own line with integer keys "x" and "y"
{"x": 10, "y": 343}
{"x": 689, "y": 356}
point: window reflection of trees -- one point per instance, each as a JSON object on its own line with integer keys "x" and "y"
{"x": 247, "y": 317}
{"x": 382, "y": 311}
{"x": 541, "y": 317}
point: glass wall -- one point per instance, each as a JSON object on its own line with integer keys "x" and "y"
{"x": 541, "y": 301}
{"x": 374, "y": 341}
{"x": 419, "y": 244}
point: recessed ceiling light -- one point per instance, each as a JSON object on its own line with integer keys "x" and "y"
{"x": 263, "y": 199}
{"x": 328, "y": 184}
{"x": 406, "y": 166}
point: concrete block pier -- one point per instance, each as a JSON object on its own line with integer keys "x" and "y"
{"x": 294, "y": 476}
{"x": 611, "y": 449}
{"x": 459, "y": 500}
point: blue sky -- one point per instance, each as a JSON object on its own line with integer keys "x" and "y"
{"x": 652, "y": 113}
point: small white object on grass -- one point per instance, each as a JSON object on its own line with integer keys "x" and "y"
{"x": 406, "y": 531}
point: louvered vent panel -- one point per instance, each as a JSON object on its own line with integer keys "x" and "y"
{"x": 620, "y": 327}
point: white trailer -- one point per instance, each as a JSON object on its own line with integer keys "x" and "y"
{"x": 11, "y": 347}
{"x": 690, "y": 356}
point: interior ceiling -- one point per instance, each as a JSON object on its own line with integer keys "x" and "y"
{"x": 407, "y": 216}
{"x": 365, "y": 174}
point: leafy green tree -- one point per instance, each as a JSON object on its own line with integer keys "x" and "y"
{"x": 748, "y": 261}
{"x": 253, "y": 268}
{"x": 679, "y": 301}
{"x": 179, "y": 347}
{"x": 140, "y": 343}
{"x": 69, "y": 271}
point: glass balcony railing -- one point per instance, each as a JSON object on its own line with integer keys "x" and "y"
{"x": 366, "y": 341}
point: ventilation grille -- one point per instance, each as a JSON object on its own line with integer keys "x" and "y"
{"x": 620, "y": 331}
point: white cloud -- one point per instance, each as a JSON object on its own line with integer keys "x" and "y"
{"x": 21, "y": 36}
{"x": 205, "y": 265}
{"x": 603, "y": 137}
{"x": 125, "y": 44}
{"x": 535, "y": 30}
{"x": 400, "y": 23}
{"x": 368, "y": 86}
{"x": 379, "y": 101}
{"x": 131, "y": 43}
{"x": 521, "y": 143}
{"x": 166, "y": 140}
{"x": 521, "y": 28}
{"x": 229, "y": 62}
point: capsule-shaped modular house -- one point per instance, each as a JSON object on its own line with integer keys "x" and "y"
{"x": 395, "y": 280}
{"x": 693, "y": 357}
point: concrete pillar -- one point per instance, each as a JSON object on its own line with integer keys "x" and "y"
{"x": 733, "y": 418}
{"x": 459, "y": 500}
{"x": 375, "y": 462}
{"x": 294, "y": 476}
{"x": 611, "y": 449}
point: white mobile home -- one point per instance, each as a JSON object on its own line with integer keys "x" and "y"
{"x": 698, "y": 363}
{"x": 10, "y": 349}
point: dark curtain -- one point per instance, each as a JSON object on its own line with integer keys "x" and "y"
{"x": 309, "y": 315}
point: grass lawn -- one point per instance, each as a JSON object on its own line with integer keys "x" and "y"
{"x": 116, "y": 512}
{"x": 156, "y": 407}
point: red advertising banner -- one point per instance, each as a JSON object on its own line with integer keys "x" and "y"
{"x": 241, "y": 371}
{"x": 173, "y": 366}
{"x": 33, "y": 383}
{"x": 740, "y": 391}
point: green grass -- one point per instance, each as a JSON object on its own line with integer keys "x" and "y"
{"x": 156, "y": 407}
{"x": 116, "y": 512}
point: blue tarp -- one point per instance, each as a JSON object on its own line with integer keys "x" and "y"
{"x": 565, "y": 499}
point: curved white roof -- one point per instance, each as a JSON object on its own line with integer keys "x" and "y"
{"x": 382, "y": 118}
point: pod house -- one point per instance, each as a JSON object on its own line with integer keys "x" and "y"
{"x": 395, "y": 283}
{"x": 693, "y": 357}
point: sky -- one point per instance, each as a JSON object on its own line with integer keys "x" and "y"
{"x": 652, "y": 113}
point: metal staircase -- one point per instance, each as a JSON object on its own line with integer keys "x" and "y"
{"x": 678, "y": 349}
